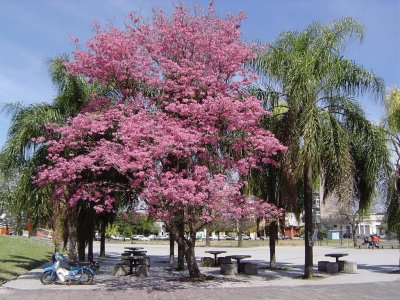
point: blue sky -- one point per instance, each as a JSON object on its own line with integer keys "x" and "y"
{"x": 32, "y": 31}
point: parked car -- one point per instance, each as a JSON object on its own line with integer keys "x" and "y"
{"x": 162, "y": 237}
{"x": 200, "y": 237}
{"x": 137, "y": 237}
{"x": 226, "y": 238}
{"x": 140, "y": 237}
{"x": 152, "y": 237}
{"x": 244, "y": 237}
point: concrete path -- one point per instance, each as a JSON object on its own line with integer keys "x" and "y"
{"x": 374, "y": 276}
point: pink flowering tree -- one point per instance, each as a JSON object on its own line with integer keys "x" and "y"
{"x": 179, "y": 131}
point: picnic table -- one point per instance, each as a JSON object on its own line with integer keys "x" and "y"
{"x": 239, "y": 257}
{"x": 134, "y": 248}
{"x": 215, "y": 252}
{"x": 336, "y": 255}
{"x": 135, "y": 252}
{"x": 133, "y": 262}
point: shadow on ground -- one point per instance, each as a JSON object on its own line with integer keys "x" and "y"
{"x": 162, "y": 276}
{"x": 378, "y": 269}
{"x": 19, "y": 263}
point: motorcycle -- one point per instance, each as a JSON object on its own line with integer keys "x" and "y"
{"x": 78, "y": 274}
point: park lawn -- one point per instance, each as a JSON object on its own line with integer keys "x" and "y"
{"x": 19, "y": 255}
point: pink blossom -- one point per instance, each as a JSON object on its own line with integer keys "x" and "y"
{"x": 176, "y": 150}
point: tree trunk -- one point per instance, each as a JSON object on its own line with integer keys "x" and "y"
{"x": 90, "y": 233}
{"x": 181, "y": 249}
{"x": 273, "y": 227}
{"x": 208, "y": 243}
{"x": 272, "y": 233}
{"x": 308, "y": 226}
{"x": 354, "y": 235}
{"x": 90, "y": 250}
{"x": 65, "y": 235}
{"x": 72, "y": 238}
{"x": 81, "y": 233}
{"x": 171, "y": 250}
{"x": 191, "y": 262}
{"x": 399, "y": 248}
{"x": 240, "y": 239}
{"x": 181, "y": 258}
{"x": 81, "y": 249}
{"x": 103, "y": 239}
{"x": 59, "y": 229}
{"x": 187, "y": 245}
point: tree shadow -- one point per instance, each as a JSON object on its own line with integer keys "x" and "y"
{"x": 164, "y": 278}
{"x": 23, "y": 262}
{"x": 378, "y": 269}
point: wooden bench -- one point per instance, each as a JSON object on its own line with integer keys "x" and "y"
{"x": 382, "y": 245}
{"x": 389, "y": 244}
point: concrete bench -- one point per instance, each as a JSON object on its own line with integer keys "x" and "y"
{"x": 248, "y": 268}
{"x": 332, "y": 267}
{"x": 142, "y": 270}
{"x": 121, "y": 270}
{"x": 228, "y": 269}
{"x": 224, "y": 260}
{"x": 145, "y": 261}
{"x": 349, "y": 267}
{"x": 207, "y": 262}
{"x": 322, "y": 265}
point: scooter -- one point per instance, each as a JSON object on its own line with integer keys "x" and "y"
{"x": 78, "y": 274}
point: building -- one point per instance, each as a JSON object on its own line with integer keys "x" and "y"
{"x": 337, "y": 219}
{"x": 344, "y": 217}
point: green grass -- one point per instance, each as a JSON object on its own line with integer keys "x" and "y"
{"x": 18, "y": 255}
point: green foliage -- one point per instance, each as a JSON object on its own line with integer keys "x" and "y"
{"x": 392, "y": 125}
{"x": 22, "y": 155}
{"x": 127, "y": 224}
{"x": 393, "y": 210}
{"x": 310, "y": 87}
{"x": 324, "y": 233}
{"x": 392, "y": 104}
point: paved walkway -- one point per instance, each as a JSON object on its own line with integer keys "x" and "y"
{"x": 374, "y": 278}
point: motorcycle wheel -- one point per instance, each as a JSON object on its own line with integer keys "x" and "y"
{"x": 86, "y": 277}
{"x": 47, "y": 278}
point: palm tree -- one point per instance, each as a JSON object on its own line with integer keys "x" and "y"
{"x": 392, "y": 125}
{"x": 22, "y": 155}
{"x": 309, "y": 86}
